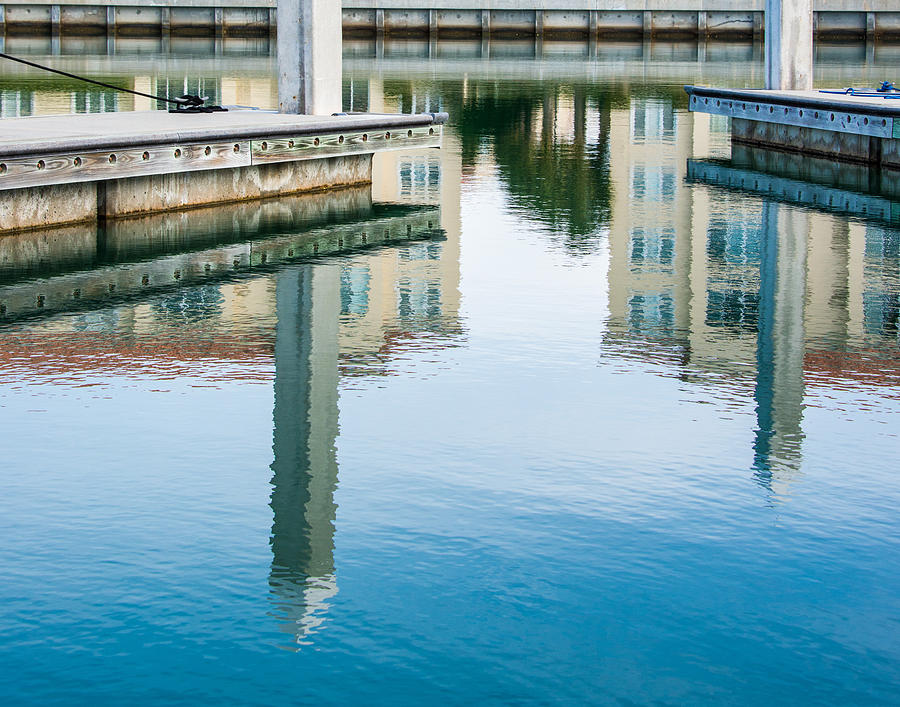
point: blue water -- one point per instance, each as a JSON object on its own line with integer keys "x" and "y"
{"x": 609, "y": 437}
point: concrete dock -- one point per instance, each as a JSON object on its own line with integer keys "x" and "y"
{"x": 77, "y": 168}
{"x": 858, "y": 129}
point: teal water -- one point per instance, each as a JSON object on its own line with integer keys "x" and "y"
{"x": 576, "y": 421}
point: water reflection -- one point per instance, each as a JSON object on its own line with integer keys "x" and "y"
{"x": 757, "y": 276}
{"x": 550, "y": 144}
{"x": 304, "y": 469}
{"x": 301, "y": 291}
{"x": 781, "y": 346}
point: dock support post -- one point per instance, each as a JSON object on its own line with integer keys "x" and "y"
{"x": 757, "y": 26}
{"x": 2, "y": 23}
{"x": 110, "y": 30}
{"x": 379, "y": 22}
{"x": 165, "y": 29}
{"x": 789, "y": 44}
{"x": 870, "y": 26}
{"x": 539, "y": 24}
{"x": 485, "y": 24}
{"x": 309, "y": 57}
{"x": 54, "y": 29}
{"x": 219, "y": 22}
{"x": 432, "y": 25}
{"x": 702, "y": 26}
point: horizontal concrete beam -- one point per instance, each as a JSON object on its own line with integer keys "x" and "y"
{"x": 544, "y": 5}
{"x": 465, "y": 17}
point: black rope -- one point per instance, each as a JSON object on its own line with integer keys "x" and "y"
{"x": 186, "y": 103}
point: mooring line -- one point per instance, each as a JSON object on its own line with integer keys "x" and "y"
{"x": 184, "y": 104}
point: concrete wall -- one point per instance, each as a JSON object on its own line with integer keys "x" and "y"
{"x": 560, "y": 18}
{"x": 46, "y": 206}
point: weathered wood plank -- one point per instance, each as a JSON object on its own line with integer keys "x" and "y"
{"x": 20, "y": 172}
{"x": 306, "y": 147}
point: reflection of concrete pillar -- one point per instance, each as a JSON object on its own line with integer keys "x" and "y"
{"x": 780, "y": 346}
{"x": 304, "y": 470}
{"x": 376, "y": 95}
{"x": 789, "y": 44}
{"x": 580, "y": 110}
{"x": 827, "y": 307}
{"x": 309, "y": 56}
{"x": 548, "y": 118}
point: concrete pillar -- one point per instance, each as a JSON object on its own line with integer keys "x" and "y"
{"x": 309, "y": 56}
{"x": 781, "y": 346}
{"x": 789, "y": 44}
{"x": 304, "y": 468}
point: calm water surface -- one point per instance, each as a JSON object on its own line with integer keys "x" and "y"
{"x": 556, "y": 414}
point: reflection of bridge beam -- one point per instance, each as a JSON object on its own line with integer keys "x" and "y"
{"x": 304, "y": 469}
{"x": 781, "y": 346}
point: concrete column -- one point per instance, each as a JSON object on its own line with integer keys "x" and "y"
{"x": 54, "y": 29}
{"x": 54, "y": 20}
{"x": 110, "y": 30}
{"x": 309, "y": 56}
{"x": 432, "y": 24}
{"x": 702, "y": 25}
{"x": 165, "y": 29}
{"x": 539, "y": 23}
{"x": 870, "y": 26}
{"x": 781, "y": 346}
{"x": 485, "y": 24}
{"x": 593, "y": 23}
{"x": 789, "y": 44}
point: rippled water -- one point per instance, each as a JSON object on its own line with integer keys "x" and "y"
{"x": 581, "y": 408}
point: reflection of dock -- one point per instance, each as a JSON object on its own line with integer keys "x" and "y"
{"x": 794, "y": 191}
{"x": 157, "y": 253}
